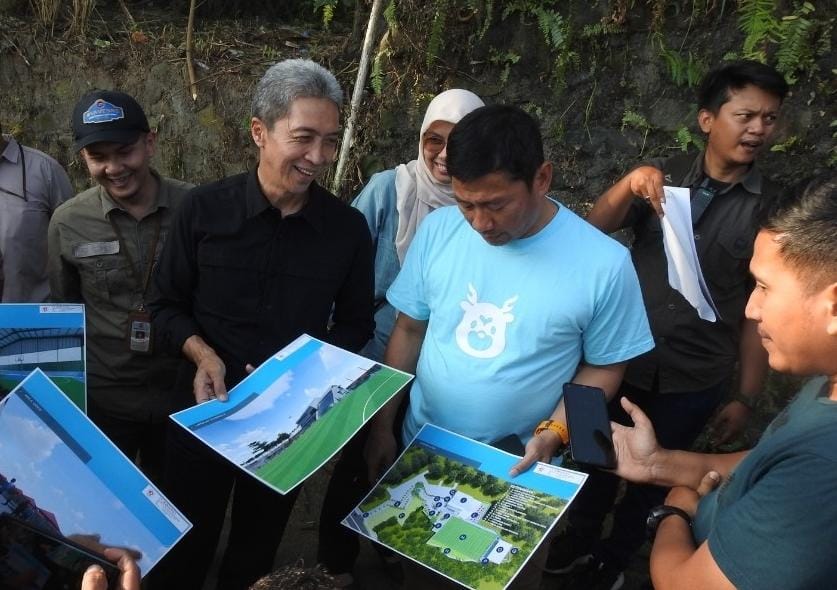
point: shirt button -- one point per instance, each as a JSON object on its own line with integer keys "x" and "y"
{"x": 661, "y": 340}
{"x": 98, "y": 264}
{"x": 697, "y": 236}
{"x": 672, "y": 307}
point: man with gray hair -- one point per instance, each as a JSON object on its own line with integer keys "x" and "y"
{"x": 252, "y": 262}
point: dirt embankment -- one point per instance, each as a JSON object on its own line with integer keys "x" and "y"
{"x": 606, "y": 98}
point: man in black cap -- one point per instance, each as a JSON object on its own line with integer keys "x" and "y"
{"x": 103, "y": 245}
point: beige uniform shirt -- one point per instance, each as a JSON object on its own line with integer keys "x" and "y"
{"x": 25, "y": 209}
{"x": 88, "y": 264}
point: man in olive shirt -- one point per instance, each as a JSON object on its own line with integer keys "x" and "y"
{"x": 103, "y": 245}
{"x": 32, "y": 186}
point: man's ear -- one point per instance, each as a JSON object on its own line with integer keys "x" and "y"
{"x": 543, "y": 178}
{"x": 151, "y": 142}
{"x": 705, "y": 119}
{"x": 258, "y": 131}
{"x": 831, "y": 301}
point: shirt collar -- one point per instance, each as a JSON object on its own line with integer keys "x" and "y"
{"x": 751, "y": 181}
{"x": 11, "y": 153}
{"x": 163, "y": 197}
{"x": 313, "y": 211}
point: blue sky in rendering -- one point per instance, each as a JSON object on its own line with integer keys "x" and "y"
{"x": 288, "y": 386}
{"x": 498, "y": 463}
{"x": 103, "y": 496}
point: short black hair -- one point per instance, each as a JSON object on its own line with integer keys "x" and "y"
{"x": 714, "y": 89}
{"x": 804, "y": 220}
{"x": 495, "y": 138}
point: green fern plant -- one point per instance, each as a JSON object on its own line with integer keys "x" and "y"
{"x": 757, "y": 21}
{"x": 684, "y": 71}
{"x": 601, "y": 29}
{"x": 798, "y": 45}
{"x": 434, "y": 43}
{"x": 376, "y": 77}
{"x": 390, "y": 15}
{"x": 636, "y": 121}
{"x": 505, "y": 59}
{"x": 327, "y": 7}
{"x": 786, "y": 145}
{"x": 683, "y": 138}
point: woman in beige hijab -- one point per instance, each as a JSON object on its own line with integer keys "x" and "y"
{"x": 395, "y": 201}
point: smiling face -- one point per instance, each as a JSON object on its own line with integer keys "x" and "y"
{"x": 741, "y": 128}
{"x": 796, "y": 323}
{"x": 123, "y": 170}
{"x": 501, "y": 209}
{"x": 299, "y": 147}
{"x": 434, "y": 149}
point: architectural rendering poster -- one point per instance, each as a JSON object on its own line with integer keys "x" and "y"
{"x": 449, "y": 504}
{"x": 49, "y": 337}
{"x": 293, "y": 413}
{"x": 60, "y": 473}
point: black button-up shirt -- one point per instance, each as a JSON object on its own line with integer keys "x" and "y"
{"x": 692, "y": 354}
{"x": 249, "y": 281}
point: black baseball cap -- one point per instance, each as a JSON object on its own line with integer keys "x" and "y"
{"x": 107, "y": 115}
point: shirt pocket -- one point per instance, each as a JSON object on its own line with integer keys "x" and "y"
{"x": 731, "y": 260}
{"x": 228, "y": 280}
{"x": 106, "y": 277}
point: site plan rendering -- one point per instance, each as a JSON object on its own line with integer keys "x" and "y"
{"x": 449, "y": 504}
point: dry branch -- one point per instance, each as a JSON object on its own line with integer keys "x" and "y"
{"x": 190, "y": 67}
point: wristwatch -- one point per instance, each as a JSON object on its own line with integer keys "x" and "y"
{"x": 658, "y": 513}
{"x": 556, "y": 427}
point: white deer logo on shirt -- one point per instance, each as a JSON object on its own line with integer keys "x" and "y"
{"x": 482, "y": 331}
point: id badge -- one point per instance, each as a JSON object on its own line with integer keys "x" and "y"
{"x": 139, "y": 323}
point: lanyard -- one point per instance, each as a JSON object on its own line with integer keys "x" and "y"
{"x": 701, "y": 198}
{"x": 148, "y": 267}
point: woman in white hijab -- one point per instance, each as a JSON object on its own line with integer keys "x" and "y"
{"x": 395, "y": 201}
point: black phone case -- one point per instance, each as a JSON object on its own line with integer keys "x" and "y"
{"x": 589, "y": 426}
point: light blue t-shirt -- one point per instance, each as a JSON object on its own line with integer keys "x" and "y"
{"x": 508, "y": 325}
{"x": 773, "y": 523}
{"x": 377, "y": 203}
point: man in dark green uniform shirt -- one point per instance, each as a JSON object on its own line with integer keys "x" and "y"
{"x": 103, "y": 245}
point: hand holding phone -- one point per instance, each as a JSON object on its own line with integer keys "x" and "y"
{"x": 33, "y": 559}
{"x": 591, "y": 440}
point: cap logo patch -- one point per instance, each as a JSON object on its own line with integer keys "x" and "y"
{"x": 102, "y": 111}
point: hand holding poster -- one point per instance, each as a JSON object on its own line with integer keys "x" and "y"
{"x": 58, "y": 472}
{"x": 449, "y": 504}
{"x": 294, "y": 412}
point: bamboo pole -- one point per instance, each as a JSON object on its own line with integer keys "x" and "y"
{"x": 357, "y": 94}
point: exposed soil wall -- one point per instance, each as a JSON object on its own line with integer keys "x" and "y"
{"x": 583, "y": 103}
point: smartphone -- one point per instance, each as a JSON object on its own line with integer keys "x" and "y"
{"x": 33, "y": 559}
{"x": 591, "y": 441}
